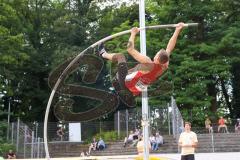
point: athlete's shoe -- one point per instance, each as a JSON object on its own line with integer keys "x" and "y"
{"x": 101, "y": 49}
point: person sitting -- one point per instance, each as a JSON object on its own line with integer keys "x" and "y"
{"x": 208, "y": 125}
{"x": 237, "y": 126}
{"x": 136, "y": 134}
{"x": 101, "y": 144}
{"x": 221, "y": 124}
{"x": 128, "y": 139}
{"x": 60, "y": 133}
{"x": 159, "y": 141}
{"x": 11, "y": 155}
{"x": 93, "y": 145}
{"x": 82, "y": 154}
{"x": 152, "y": 139}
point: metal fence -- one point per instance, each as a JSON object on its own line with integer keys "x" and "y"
{"x": 28, "y": 145}
{"x": 129, "y": 120}
{"x": 177, "y": 120}
{"x": 165, "y": 119}
{"x": 28, "y": 138}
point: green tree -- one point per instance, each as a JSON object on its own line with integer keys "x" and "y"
{"x": 201, "y": 68}
{"x": 13, "y": 55}
{"x": 230, "y": 45}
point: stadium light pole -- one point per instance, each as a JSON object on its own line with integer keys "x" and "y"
{"x": 145, "y": 116}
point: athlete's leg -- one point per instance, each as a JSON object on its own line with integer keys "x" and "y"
{"x": 118, "y": 58}
{"x": 119, "y": 82}
{"x": 122, "y": 69}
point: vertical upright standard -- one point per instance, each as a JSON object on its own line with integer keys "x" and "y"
{"x": 145, "y": 117}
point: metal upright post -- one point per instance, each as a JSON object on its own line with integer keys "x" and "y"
{"x": 145, "y": 117}
{"x": 100, "y": 127}
{"x": 118, "y": 124}
{"x": 127, "y": 122}
{"x": 33, "y": 144}
{"x": 173, "y": 119}
{"x": 25, "y": 141}
{"x": 12, "y": 133}
{"x": 18, "y": 128}
{"x": 169, "y": 124}
{"x": 36, "y": 129}
{"x": 212, "y": 139}
{"x": 38, "y": 146}
{"x": 9, "y": 112}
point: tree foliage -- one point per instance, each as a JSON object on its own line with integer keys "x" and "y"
{"x": 36, "y": 36}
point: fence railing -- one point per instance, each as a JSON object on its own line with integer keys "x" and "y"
{"x": 25, "y": 140}
{"x": 164, "y": 119}
{"x": 28, "y": 146}
{"x": 177, "y": 120}
{"x": 28, "y": 138}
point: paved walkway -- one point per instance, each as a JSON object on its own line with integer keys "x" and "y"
{"x": 198, "y": 156}
{"x": 208, "y": 156}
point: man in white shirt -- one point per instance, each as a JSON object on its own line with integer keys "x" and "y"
{"x": 188, "y": 142}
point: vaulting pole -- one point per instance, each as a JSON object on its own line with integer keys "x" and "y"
{"x": 142, "y": 28}
{"x": 145, "y": 116}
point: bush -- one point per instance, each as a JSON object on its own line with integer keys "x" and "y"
{"x": 3, "y": 131}
{"x": 4, "y": 146}
{"x": 108, "y": 136}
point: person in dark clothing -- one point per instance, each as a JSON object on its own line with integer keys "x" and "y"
{"x": 11, "y": 155}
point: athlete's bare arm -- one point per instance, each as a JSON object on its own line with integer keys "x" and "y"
{"x": 133, "y": 52}
{"x": 173, "y": 40}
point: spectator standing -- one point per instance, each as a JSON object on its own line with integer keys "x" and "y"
{"x": 188, "y": 142}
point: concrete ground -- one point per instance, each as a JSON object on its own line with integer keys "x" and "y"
{"x": 208, "y": 156}
{"x": 198, "y": 156}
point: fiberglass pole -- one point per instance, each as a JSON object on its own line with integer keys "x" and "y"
{"x": 145, "y": 121}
